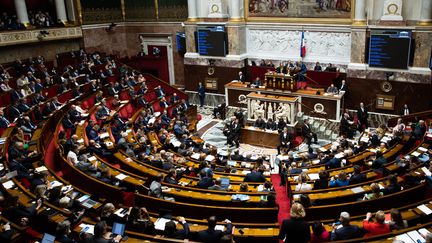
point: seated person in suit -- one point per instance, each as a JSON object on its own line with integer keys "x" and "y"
{"x": 241, "y": 77}
{"x": 317, "y": 67}
{"x": 343, "y": 87}
{"x": 171, "y": 230}
{"x": 271, "y": 125}
{"x": 255, "y": 176}
{"x": 163, "y": 103}
{"x": 159, "y": 92}
{"x": 256, "y": 83}
{"x": 357, "y": 176}
{"x": 332, "y": 89}
{"x": 259, "y": 123}
{"x": 345, "y": 231}
{"x": 4, "y": 122}
{"x": 213, "y": 235}
{"x": 174, "y": 98}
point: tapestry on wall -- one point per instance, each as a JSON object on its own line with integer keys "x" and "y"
{"x": 300, "y": 8}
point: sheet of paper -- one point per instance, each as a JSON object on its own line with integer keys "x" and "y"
{"x": 415, "y": 153}
{"x": 245, "y": 172}
{"x": 423, "y": 149}
{"x": 404, "y": 238}
{"x": 8, "y": 184}
{"x": 87, "y": 228}
{"x": 104, "y": 135}
{"x": 423, "y": 232}
{"x": 313, "y": 176}
{"x": 11, "y": 174}
{"x": 220, "y": 227}
{"x": 92, "y": 158}
{"x": 160, "y": 223}
{"x": 121, "y": 176}
{"x": 55, "y": 184}
{"x": 195, "y": 156}
{"x": 357, "y": 189}
{"x": 41, "y": 168}
{"x": 425, "y": 209}
{"x": 315, "y": 161}
{"x": 426, "y": 171}
{"x": 414, "y": 235}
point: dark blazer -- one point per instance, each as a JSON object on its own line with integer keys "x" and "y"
{"x": 4, "y": 122}
{"x": 357, "y": 178}
{"x": 242, "y": 78}
{"x": 213, "y": 236}
{"x": 260, "y": 123}
{"x": 347, "y": 232}
{"x": 362, "y": 115}
{"x": 254, "y": 176}
{"x": 285, "y": 139}
{"x": 294, "y": 230}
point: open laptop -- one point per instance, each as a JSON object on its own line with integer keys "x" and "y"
{"x": 47, "y": 238}
{"x": 118, "y": 228}
{"x": 225, "y": 182}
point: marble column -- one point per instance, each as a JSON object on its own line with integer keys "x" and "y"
{"x": 70, "y": 9}
{"x": 192, "y": 9}
{"x": 21, "y": 10}
{"x": 61, "y": 10}
{"x": 360, "y": 13}
{"x": 235, "y": 9}
{"x": 426, "y": 13}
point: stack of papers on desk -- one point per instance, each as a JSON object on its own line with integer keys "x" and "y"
{"x": 80, "y": 140}
{"x": 339, "y": 155}
{"x": 415, "y": 236}
{"x": 160, "y": 223}
{"x": 92, "y": 158}
{"x": 245, "y": 172}
{"x": 415, "y": 153}
{"x": 231, "y": 163}
{"x": 425, "y": 209}
{"x": 364, "y": 139}
{"x": 121, "y": 212}
{"x": 315, "y": 161}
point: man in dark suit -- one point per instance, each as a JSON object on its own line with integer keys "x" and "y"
{"x": 201, "y": 93}
{"x": 405, "y": 110}
{"x": 211, "y": 235}
{"x": 345, "y": 126}
{"x": 174, "y": 98}
{"x": 345, "y": 230}
{"x": 357, "y": 176}
{"x": 241, "y": 78}
{"x": 362, "y": 115}
{"x": 14, "y": 112}
{"x": 343, "y": 87}
{"x": 22, "y": 106}
{"x": 308, "y": 134}
{"x": 254, "y": 176}
{"x": 159, "y": 92}
{"x": 259, "y": 123}
{"x": 234, "y": 134}
{"x": 271, "y": 125}
{"x": 4, "y": 122}
{"x": 16, "y": 95}
{"x": 163, "y": 103}
{"x": 285, "y": 140}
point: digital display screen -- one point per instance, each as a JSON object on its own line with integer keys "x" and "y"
{"x": 181, "y": 42}
{"x": 212, "y": 41}
{"x": 389, "y": 49}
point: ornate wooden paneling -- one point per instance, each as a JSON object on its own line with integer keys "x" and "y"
{"x": 172, "y": 10}
{"x": 101, "y": 11}
{"x": 140, "y": 10}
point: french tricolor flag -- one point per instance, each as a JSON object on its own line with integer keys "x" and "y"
{"x": 302, "y": 46}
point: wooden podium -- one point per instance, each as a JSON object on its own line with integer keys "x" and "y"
{"x": 280, "y": 81}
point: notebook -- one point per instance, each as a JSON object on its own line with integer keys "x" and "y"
{"x": 225, "y": 182}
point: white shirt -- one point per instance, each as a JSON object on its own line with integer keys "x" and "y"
{"x": 72, "y": 157}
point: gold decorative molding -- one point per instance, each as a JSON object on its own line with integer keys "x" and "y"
{"x": 30, "y": 36}
{"x": 424, "y": 23}
{"x": 156, "y": 2}
{"x": 359, "y": 23}
{"x": 123, "y": 8}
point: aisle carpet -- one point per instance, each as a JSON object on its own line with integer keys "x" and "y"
{"x": 281, "y": 198}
